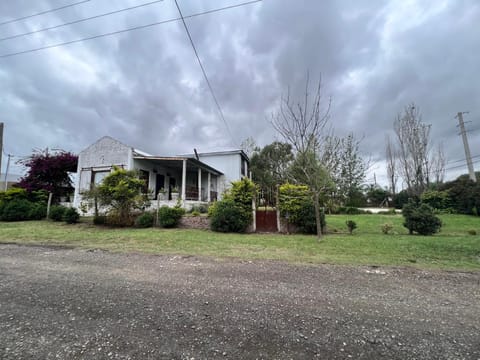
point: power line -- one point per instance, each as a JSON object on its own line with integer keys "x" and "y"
{"x": 205, "y": 74}
{"x": 128, "y": 29}
{"x": 460, "y": 166}
{"x": 451, "y": 162}
{"x": 78, "y": 21}
{"x": 43, "y": 12}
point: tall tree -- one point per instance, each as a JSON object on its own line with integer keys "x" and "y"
{"x": 49, "y": 171}
{"x": 269, "y": 167}
{"x": 303, "y": 125}
{"x": 413, "y": 139}
{"x": 391, "y": 156}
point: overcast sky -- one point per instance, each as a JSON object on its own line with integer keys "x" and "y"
{"x": 145, "y": 87}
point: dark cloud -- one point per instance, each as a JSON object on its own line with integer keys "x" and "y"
{"x": 145, "y": 87}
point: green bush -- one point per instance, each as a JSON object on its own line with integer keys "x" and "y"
{"x": 228, "y": 216}
{"x": 351, "y": 225}
{"x": 305, "y": 218}
{"x": 201, "y": 209}
{"x": 57, "y": 212}
{"x": 16, "y": 210}
{"x": 386, "y": 228}
{"x": 439, "y": 200}
{"x": 71, "y": 216}
{"x": 349, "y": 210}
{"x": 472, "y": 232}
{"x": 145, "y": 220}
{"x": 99, "y": 220}
{"x": 420, "y": 219}
{"x": 168, "y": 217}
{"x": 37, "y": 211}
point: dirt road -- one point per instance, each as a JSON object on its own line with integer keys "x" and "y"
{"x": 77, "y": 304}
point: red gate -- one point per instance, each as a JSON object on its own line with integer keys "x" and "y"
{"x": 266, "y": 220}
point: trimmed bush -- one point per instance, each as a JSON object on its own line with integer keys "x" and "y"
{"x": 228, "y": 216}
{"x": 57, "y": 212}
{"x": 37, "y": 211}
{"x": 420, "y": 219}
{"x": 16, "y": 210}
{"x": 386, "y": 228}
{"x": 351, "y": 225}
{"x": 168, "y": 217}
{"x": 71, "y": 216}
{"x": 145, "y": 220}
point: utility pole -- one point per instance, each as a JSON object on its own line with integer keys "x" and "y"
{"x": 6, "y": 172}
{"x": 468, "y": 156}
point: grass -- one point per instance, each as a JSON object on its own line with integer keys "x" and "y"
{"x": 453, "y": 248}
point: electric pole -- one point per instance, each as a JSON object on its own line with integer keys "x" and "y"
{"x": 468, "y": 156}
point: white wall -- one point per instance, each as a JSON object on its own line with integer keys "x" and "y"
{"x": 97, "y": 157}
{"x": 228, "y": 164}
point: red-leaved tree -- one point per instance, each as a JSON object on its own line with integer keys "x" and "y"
{"x": 49, "y": 171}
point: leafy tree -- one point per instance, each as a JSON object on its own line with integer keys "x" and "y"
{"x": 120, "y": 192}
{"x": 269, "y": 165}
{"x": 49, "y": 171}
{"x": 436, "y": 199}
{"x": 464, "y": 195}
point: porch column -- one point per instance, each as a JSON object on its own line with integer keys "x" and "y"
{"x": 184, "y": 179}
{"x": 199, "y": 184}
{"x": 209, "y": 184}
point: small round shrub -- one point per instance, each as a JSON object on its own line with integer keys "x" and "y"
{"x": 472, "y": 232}
{"x": 168, "y": 217}
{"x": 227, "y": 216}
{"x": 145, "y": 220}
{"x": 57, "y": 212}
{"x": 420, "y": 219}
{"x": 386, "y": 228}
{"x": 37, "y": 211}
{"x": 71, "y": 216}
{"x": 100, "y": 220}
{"x": 16, "y": 210}
{"x": 351, "y": 225}
{"x": 195, "y": 213}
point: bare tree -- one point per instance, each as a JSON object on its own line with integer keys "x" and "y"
{"x": 438, "y": 164}
{"x": 391, "y": 156}
{"x": 413, "y": 137}
{"x": 303, "y": 125}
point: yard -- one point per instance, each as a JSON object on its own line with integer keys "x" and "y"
{"x": 452, "y": 248}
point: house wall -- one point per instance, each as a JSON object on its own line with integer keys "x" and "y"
{"x": 99, "y": 156}
{"x": 229, "y": 164}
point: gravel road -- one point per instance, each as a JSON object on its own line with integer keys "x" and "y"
{"x": 75, "y": 304}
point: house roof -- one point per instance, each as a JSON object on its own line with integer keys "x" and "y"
{"x": 220, "y": 153}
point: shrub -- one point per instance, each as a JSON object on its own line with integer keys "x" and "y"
{"x": 472, "y": 232}
{"x": 420, "y": 219}
{"x": 305, "y": 218}
{"x": 57, "y": 212}
{"x": 195, "y": 213}
{"x": 99, "y": 220}
{"x": 228, "y": 216}
{"x": 71, "y": 216}
{"x": 351, "y": 225}
{"x": 386, "y": 228}
{"x": 16, "y": 210}
{"x": 349, "y": 210}
{"x": 200, "y": 209}
{"x": 145, "y": 220}
{"x": 168, "y": 217}
{"x": 439, "y": 200}
{"x": 37, "y": 211}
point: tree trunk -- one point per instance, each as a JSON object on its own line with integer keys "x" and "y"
{"x": 317, "y": 217}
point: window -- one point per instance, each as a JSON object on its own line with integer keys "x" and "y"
{"x": 97, "y": 177}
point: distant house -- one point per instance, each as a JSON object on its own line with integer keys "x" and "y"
{"x": 200, "y": 179}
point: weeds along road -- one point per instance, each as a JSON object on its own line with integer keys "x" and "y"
{"x": 77, "y": 304}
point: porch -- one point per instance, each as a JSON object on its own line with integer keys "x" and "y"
{"x": 172, "y": 179}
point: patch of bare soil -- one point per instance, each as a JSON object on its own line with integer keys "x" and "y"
{"x": 76, "y": 304}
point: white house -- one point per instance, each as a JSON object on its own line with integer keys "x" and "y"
{"x": 199, "y": 178}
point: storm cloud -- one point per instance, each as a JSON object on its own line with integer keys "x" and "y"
{"x": 146, "y": 89}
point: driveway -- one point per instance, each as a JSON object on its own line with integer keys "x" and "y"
{"x": 75, "y": 304}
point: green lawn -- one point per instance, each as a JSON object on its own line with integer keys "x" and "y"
{"x": 453, "y": 248}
